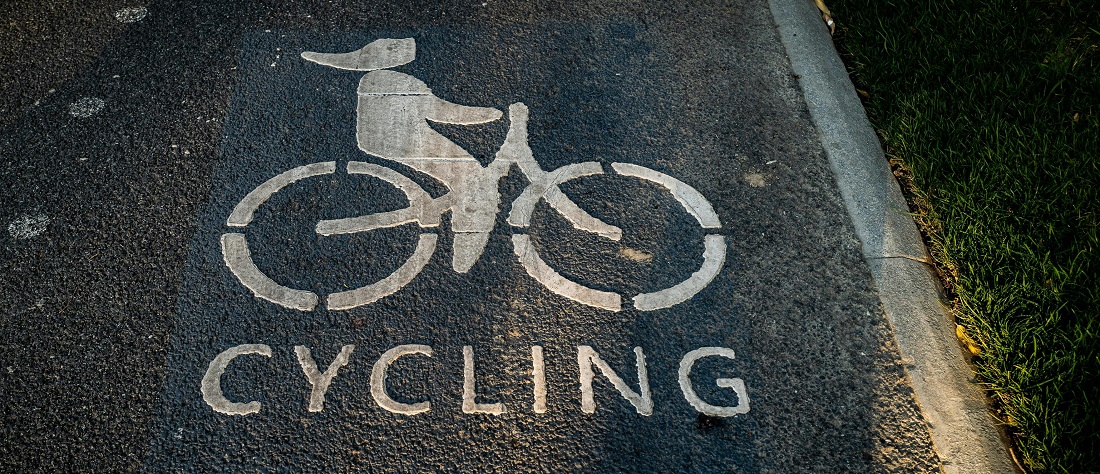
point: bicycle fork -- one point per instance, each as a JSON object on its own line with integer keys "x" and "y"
{"x": 475, "y": 212}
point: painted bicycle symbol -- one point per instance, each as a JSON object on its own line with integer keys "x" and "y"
{"x": 392, "y": 123}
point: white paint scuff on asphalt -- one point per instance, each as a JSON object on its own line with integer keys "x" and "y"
{"x": 86, "y": 107}
{"x": 131, "y": 14}
{"x": 28, "y": 226}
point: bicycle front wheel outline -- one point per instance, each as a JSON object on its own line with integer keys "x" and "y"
{"x": 714, "y": 253}
{"x": 238, "y": 258}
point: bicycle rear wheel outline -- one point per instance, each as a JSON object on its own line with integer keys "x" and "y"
{"x": 238, "y": 258}
{"x": 714, "y": 253}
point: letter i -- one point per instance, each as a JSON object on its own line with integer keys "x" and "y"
{"x": 538, "y": 375}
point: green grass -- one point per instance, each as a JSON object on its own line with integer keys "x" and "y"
{"x": 994, "y": 106}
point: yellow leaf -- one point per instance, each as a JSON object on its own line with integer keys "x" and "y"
{"x": 971, "y": 346}
{"x": 826, "y": 15}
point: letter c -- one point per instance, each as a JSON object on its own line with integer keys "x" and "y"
{"x": 212, "y": 381}
{"x": 705, "y": 408}
{"x": 378, "y": 380}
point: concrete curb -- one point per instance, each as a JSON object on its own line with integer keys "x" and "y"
{"x": 955, "y": 408}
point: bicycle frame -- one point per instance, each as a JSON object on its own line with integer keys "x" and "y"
{"x": 480, "y": 200}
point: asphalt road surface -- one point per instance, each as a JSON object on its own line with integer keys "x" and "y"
{"x": 135, "y": 334}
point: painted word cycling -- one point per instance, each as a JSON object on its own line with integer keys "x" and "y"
{"x": 588, "y": 362}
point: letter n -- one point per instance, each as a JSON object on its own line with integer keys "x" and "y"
{"x": 587, "y": 357}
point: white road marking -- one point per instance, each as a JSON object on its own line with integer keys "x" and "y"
{"x": 212, "y": 381}
{"x": 381, "y": 220}
{"x": 694, "y": 202}
{"x": 714, "y": 256}
{"x": 419, "y": 210}
{"x": 320, "y": 382}
{"x": 393, "y": 111}
{"x": 86, "y": 107}
{"x": 468, "y": 247}
{"x": 538, "y": 376}
{"x": 379, "y": 54}
{"x": 397, "y": 108}
{"x": 378, "y": 380}
{"x": 736, "y": 384}
{"x": 469, "y": 388}
{"x": 131, "y": 14}
{"x": 549, "y": 278}
{"x": 239, "y": 260}
{"x": 545, "y": 186}
{"x": 587, "y": 357}
{"x": 242, "y": 213}
{"x": 29, "y": 226}
{"x": 391, "y": 283}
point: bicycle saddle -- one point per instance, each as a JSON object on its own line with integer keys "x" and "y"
{"x": 378, "y": 54}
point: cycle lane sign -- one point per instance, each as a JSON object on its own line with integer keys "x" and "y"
{"x": 448, "y": 286}
{"x": 393, "y": 113}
